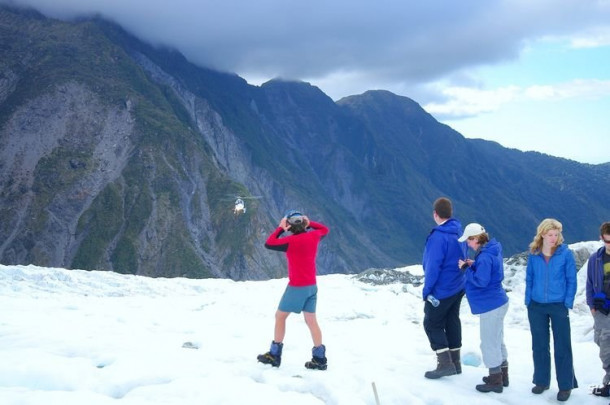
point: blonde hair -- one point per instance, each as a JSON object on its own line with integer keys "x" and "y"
{"x": 548, "y": 224}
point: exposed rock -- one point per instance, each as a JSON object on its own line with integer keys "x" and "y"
{"x": 389, "y": 276}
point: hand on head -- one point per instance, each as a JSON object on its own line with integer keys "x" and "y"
{"x": 285, "y": 225}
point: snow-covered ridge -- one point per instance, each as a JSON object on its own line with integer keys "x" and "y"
{"x": 35, "y": 280}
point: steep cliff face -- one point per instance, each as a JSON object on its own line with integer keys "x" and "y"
{"x": 83, "y": 188}
{"x": 280, "y": 141}
{"x": 58, "y": 152}
{"x": 106, "y": 172}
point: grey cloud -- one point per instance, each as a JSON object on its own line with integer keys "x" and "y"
{"x": 387, "y": 41}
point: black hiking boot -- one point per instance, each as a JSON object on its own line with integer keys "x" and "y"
{"x": 317, "y": 363}
{"x": 318, "y": 359}
{"x": 539, "y": 389}
{"x": 563, "y": 395}
{"x": 269, "y": 358}
{"x": 601, "y": 391}
{"x": 273, "y": 356}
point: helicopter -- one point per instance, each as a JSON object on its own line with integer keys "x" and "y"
{"x": 240, "y": 204}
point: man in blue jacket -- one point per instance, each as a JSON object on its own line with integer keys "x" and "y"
{"x": 598, "y": 300}
{"x": 443, "y": 290}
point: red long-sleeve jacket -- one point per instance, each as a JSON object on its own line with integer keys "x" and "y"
{"x": 301, "y": 250}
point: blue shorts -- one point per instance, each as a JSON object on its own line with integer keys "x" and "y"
{"x": 297, "y": 299}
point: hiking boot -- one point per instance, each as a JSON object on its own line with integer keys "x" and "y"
{"x": 493, "y": 383}
{"x": 318, "y": 359}
{"x": 504, "y": 367}
{"x": 444, "y": 365}
{"x": 273, "y": 356}
{"x": 602, "y": 391}
{"x": 269, "y": 358}
{"x": 455, "y": 358}
{"x": 539, "y": 389}
{"x": 317, "y": 363}
{"x": 563, "y": 395}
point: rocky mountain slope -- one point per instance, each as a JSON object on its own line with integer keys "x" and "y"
{"x": 120, "y": 156}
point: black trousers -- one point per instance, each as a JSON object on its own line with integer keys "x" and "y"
{"x": 442, "y": 324}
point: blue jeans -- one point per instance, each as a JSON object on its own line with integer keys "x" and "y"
{"x": 540, "y": 315}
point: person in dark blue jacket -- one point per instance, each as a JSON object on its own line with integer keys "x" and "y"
{"x": 598, "y": 300}
{"x": 487, "y": 299}
{"x": 443, "y": 290}
{"x": 550, "y": 288}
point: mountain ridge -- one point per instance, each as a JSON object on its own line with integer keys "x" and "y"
{"x": 121, "y": 156}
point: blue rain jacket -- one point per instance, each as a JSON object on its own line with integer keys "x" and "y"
{"x": 442, "y": 276}
{"x": 551, "y": 282}
{"x": 484, "y": 279}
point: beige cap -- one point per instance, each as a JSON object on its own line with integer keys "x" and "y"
{"x": 473, "y": 229}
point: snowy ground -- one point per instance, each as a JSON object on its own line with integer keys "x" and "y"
{"x": 88, "y": 338}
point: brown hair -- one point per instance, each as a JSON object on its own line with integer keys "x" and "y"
{"x": 546, "y": 225}
{"x": 604, "y": 229}
{"x": 297, "y": 228}
{"x": 443, "y": 208}
{"x": 481, "y": 238}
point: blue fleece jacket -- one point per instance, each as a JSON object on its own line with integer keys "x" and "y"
{"x": 551, "y": 282}
{"x": 595, "y": 275}
{"x": 442, "y": 276}
{"x": 484, "y": 279}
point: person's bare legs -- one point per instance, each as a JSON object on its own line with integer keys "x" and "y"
{"x": 314, "y": 328}
{"x": 280, "y": 326}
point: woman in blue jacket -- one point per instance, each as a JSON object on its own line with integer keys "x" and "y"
{"x": 549, "y": 294}
{"x": 488, "y": 299}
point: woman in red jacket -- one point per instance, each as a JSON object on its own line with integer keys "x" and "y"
{"x": 301, "y": 248}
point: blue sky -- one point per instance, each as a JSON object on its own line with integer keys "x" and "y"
{"x": 553, "y": 98}
{"x": 529, "y": 75}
